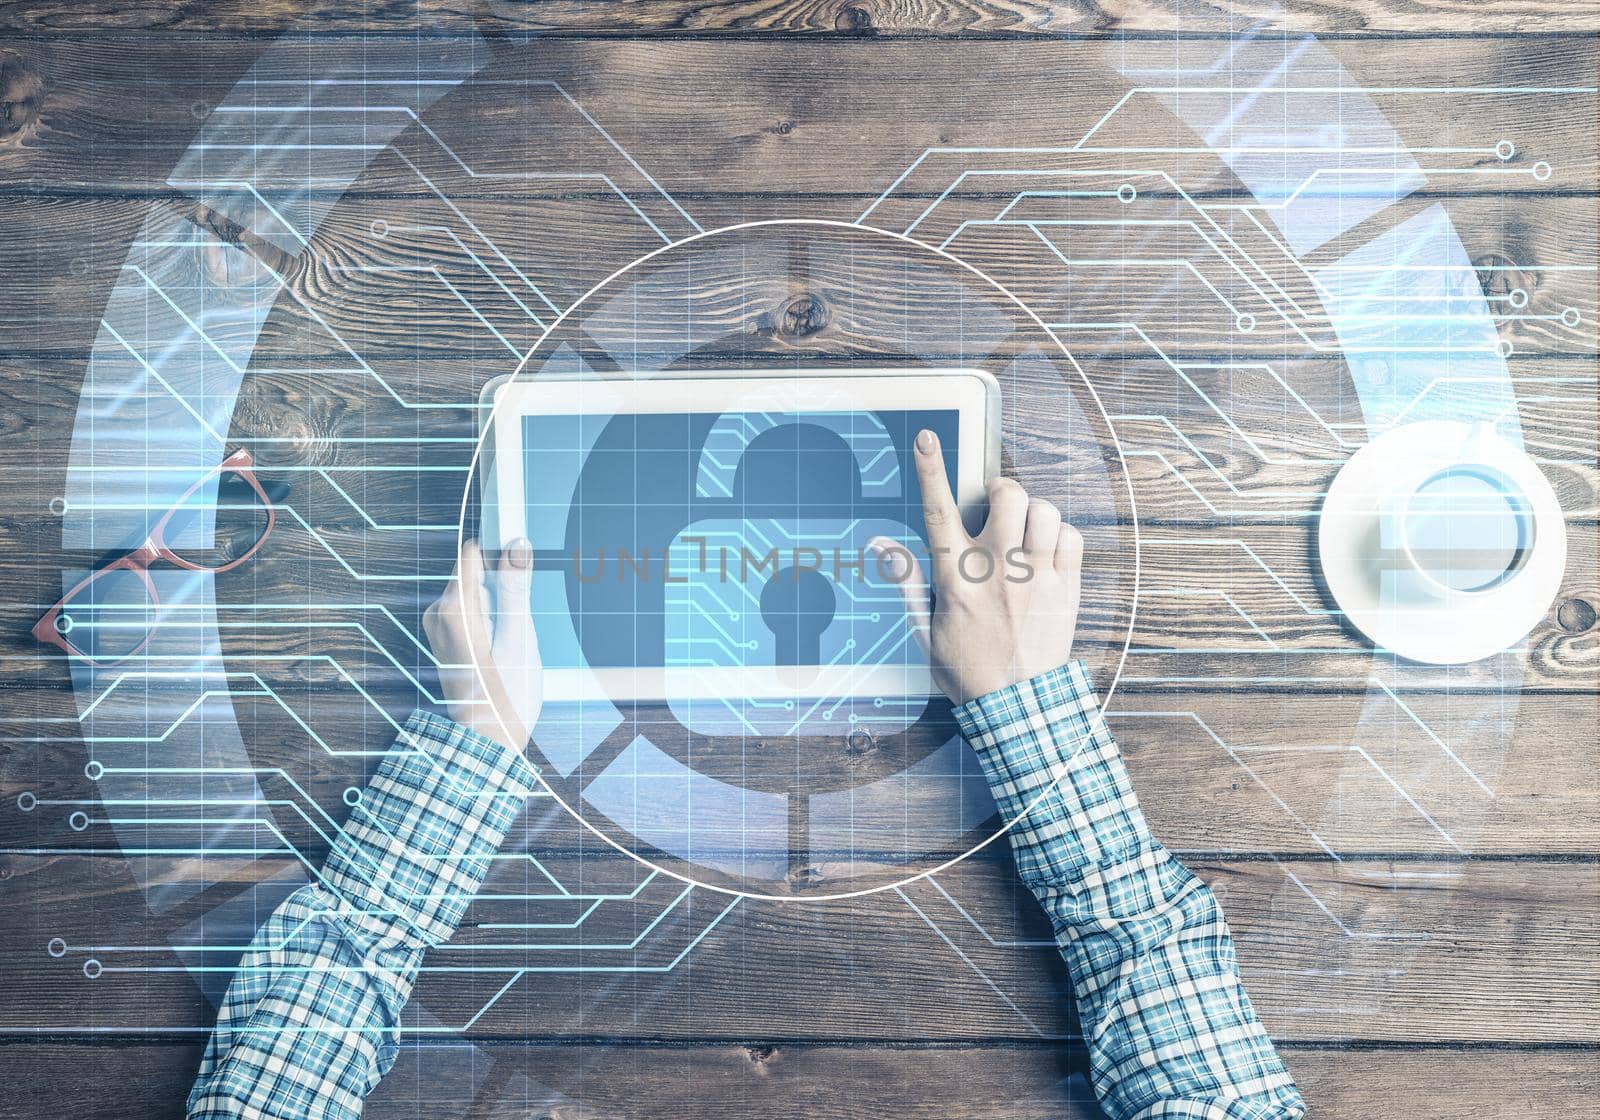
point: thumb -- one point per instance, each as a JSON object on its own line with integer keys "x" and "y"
{"x": 900, "y": 565}
{"x": 516, "y": 678}
{"x": 511, "y": 582}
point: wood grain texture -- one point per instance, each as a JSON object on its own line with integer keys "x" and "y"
{"x": 296, "y": 424}
{"x": 753, "y": 116}
{"x": 1287, "y": 773}
{"x": 508, "y": 1081}
{"x": 1243, "y": 599}
{"x": 1443, "y": 965}
{"x": 1196, "y": 627}
{"x": 1414, "y": 951}
{"x": 1184, "y": 293}
{"x": 1175, "y": 627}
{"x": 368, "y": 288}
{"x": 867, "y": 18}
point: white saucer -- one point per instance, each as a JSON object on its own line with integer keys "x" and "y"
{"x": 1448, "y": 629}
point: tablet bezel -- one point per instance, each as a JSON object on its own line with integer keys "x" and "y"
{"x": 972, "y": 393}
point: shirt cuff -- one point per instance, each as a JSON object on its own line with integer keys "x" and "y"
{"x": 1056, "y": 774}
{"x": 417, "y": 844}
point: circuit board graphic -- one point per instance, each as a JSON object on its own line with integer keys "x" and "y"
{"x": 1298, "y": 288}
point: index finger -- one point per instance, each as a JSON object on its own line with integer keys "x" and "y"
{"x": 940, "y": 514}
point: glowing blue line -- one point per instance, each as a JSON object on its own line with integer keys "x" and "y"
{"x": 970, "y": 963}
{"x": 484, "y": 268}
{"x": 987, "y": 936}
{"x": 1212, "y": 593}
{"x": 1250, "y": 552}
{"x": 244, "y": 184}
{"x": 1233, "y": 754}
{"x": 434, "y": 269}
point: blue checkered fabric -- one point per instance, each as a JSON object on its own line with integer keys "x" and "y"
{"x": 1169, "y": 1030}
{"x": 311, "y": 1020}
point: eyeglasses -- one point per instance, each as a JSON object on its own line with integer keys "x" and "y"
{"x": 109, "y": 615}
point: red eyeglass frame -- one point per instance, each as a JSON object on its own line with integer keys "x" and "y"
{"x": 155, "y": 548}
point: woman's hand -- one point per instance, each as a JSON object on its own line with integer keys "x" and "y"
{"x": 481, "y": 632}
{"x": 1007, "y": 598}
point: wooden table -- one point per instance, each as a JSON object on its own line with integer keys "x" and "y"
{"x": 1419, "y": 947}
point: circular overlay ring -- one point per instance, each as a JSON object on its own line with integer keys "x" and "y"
{"x": 633, "y": 774}
{"x": 145, "y": 454}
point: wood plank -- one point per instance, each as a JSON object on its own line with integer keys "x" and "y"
{"x": 1275, "y": 620}
{"x": 1202, "y": 440}
{"x": 505, "y": 1080}
{"x": 1002, "y": 1084}
{"x": 62, "y": 259}
{"x": 754, "y": 115}
{"x": 875, "y": 18}
{"x": 1236, "y": 618}
{"x": 1288, "y": 447}
{"x": 1187, "y": 277}
{"x": 1216, "y": 608}
{"x": 1292, "y": 773}
{"x": 1263, "y": 631}
{"x": 394, "y": 279}
{"x": 1406, "y": 951}
{"x": 1220, "y": 604}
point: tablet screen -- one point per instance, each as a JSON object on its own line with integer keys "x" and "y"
{"x": 657, "y": 535}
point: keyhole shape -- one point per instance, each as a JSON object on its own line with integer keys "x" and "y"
{"x": 797, "y": 604}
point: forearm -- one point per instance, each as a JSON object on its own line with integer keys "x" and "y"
{"x": 305, "y": 1028}
{"x": 310, "y": 1022}
{"x": 1169, "y": 1029}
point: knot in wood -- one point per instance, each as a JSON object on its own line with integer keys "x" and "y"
{"x": 1499, "y": 276}
{"x": 1577, "y": 616}
{"x": 802, "y": 316}
{"x": 854, "y": 20}
{"x": 21, "y": 95}
{"x": 800, "y": 878}
{"x": 300, "y": 431}
{"x": 859, "y": 742}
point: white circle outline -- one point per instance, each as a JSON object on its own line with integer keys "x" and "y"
{"x": 488, "y": 425}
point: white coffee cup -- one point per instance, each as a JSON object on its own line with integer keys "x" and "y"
{"x": 1461, "y": 525}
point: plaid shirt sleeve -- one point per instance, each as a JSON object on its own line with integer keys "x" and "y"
{"x": 311, "y": 1020}
{"x": 1169, "y": 1029}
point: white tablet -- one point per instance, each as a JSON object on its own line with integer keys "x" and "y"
{"x": 702, "y": 534}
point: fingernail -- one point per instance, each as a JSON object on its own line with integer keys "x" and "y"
{"x": 893, "y": 559}
{"x": 521, "y": 553}
{"x": 927, "y": 442}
